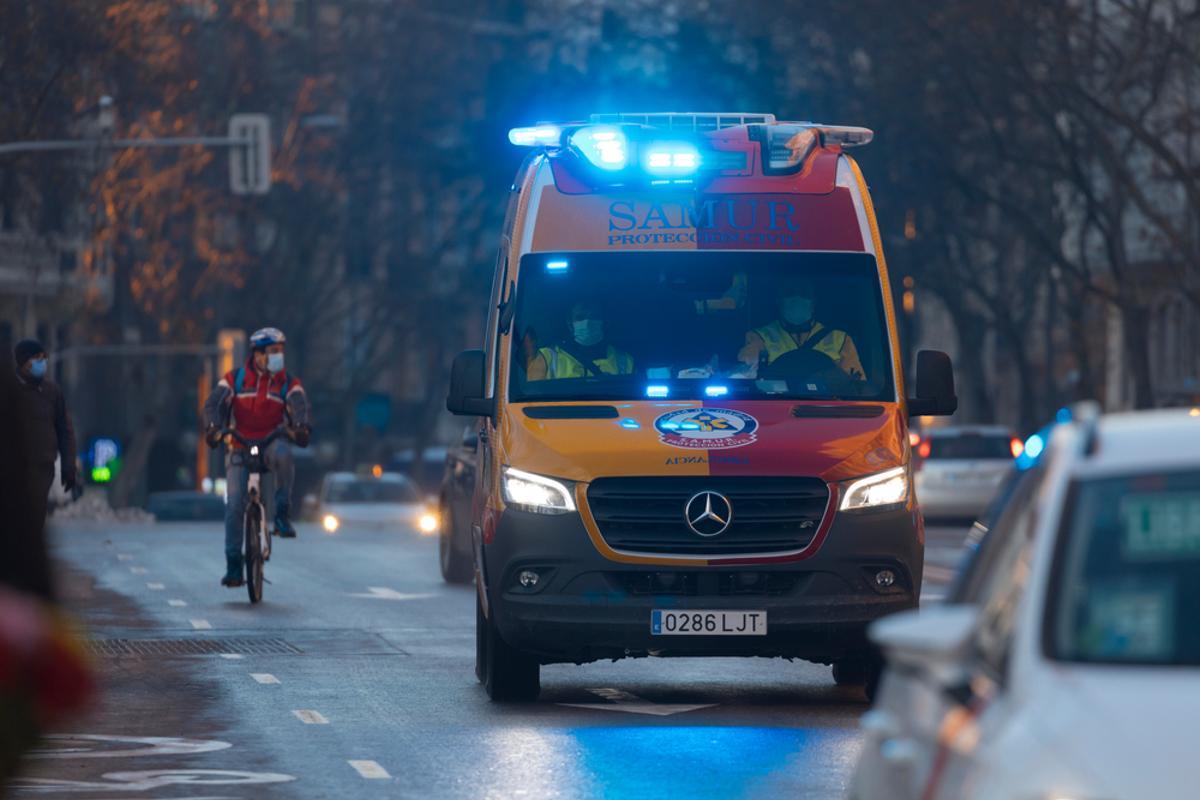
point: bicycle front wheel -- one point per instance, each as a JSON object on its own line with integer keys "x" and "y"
{"x": 252, "y": 529}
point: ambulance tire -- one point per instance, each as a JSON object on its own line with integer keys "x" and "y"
{"x": 456, "y": 568}
{"x": 508, "y": 675}
{"x": 864, "y": 671}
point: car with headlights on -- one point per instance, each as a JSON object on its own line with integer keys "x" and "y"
{"x": 1077, "y": 673}
{"x": 377, "y": 501}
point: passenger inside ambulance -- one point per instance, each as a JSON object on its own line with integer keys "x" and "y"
{"x": 699, "y": 324}
{"x": 583, "y": 351}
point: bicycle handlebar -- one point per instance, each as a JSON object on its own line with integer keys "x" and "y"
{"x": 270, "y": 437}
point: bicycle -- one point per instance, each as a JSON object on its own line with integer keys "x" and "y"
{"x": 256, "y": 537}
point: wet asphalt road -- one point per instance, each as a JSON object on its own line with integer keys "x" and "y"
{"x": 355, "y": 679}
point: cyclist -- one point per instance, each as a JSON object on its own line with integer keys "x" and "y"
{"x": 255, "y": 399}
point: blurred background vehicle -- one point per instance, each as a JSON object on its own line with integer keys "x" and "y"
{"x": 1070, "y": 667}
{"x": 959, "y": 468}
{"x": 184, "y": 506}
{"x": 383, "y": 499}
{"x": 458, "y": 487}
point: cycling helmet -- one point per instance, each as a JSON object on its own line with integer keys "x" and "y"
{"x": 265, "y": 337}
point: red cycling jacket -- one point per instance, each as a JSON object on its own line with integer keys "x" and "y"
{"x": 256, "y": 403}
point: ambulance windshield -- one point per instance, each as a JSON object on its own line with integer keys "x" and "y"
{"x": 697, "y": 325}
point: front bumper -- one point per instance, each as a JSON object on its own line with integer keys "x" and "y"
{"x": 586, "y": 607}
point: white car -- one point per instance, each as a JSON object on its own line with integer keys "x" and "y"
{"x": 1076, "y": 674}
{"x": 389, "y": 500}
{"x": 959, "y": 468}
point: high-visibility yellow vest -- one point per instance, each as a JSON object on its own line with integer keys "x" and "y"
{"x": 779, "y": 340}
{"x": 561, "y": 364}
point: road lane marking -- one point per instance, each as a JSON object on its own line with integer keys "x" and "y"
{"x": 310, "y": 717}
{"x": 232, "y": 656}
{"x": 177, "y": 603}
{"x": 158, "y": 587}
{"x": 369, "y": 769}
{"x": 201, "y": 624}
{"x": 264, "y": 677}
{"x": 138, "y": 570}
{"x": 631, "y": 703}
{"x": 384, "y": 593}
{"x": 939, "y": 574}
{"x": 124, "y": 557}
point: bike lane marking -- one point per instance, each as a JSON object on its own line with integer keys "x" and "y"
{"x": 201, "y": 624}
{"x": 369, "y": 769}
{"x": 310, "y": 717}
{"x": 264, "y": 677}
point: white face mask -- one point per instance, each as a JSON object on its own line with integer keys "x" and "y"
{"x": 797, "y": 310}
{"x": 588, "y": 331}
{"x": 275, "y": 362}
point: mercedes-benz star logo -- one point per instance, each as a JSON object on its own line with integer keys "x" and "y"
{"x": 708, "y": 513}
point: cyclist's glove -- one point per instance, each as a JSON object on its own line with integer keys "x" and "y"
{"x": 212, "y": 436}
{"x": 301, "y": 435}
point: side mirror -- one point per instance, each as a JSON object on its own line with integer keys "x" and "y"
{"x": 932, "y": 637}
{"x": 935, "y": 386}
{"x": 467, "y": 378}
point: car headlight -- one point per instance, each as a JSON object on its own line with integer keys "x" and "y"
{"x": 887, "y": 488}
{"x": 536, "y": 493}
{"x": 330, "y": 523}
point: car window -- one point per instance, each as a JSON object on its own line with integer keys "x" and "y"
{"x": 372, "y": 491}
{"x": 1125, "y": 588}
{"x": 986, "y": 542}
{"x": 967, "y": 446}
{"x": 1001, "y": 584}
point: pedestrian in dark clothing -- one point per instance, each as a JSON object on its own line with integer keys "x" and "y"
{"x": 45, "y": 423}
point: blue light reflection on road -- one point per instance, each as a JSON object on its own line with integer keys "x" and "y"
{"x": 678, "y": 762}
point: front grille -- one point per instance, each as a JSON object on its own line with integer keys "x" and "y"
{"x": 646, "y": 515}
{"x": 691, "y": 584}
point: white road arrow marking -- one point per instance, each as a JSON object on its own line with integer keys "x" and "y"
{"x": 631, "y": 703}
{"x": 384, "y": 593}
{"x": 369, "y": 769}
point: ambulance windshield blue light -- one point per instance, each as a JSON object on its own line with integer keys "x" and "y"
{"x": 716, "y": 391}
{"x": 657, "y": 391}
{"x": 556, "y": 266}
{"x": 536, "y": 136}
{"x": 630, "y": 424}
{"x": 604, "y": 146}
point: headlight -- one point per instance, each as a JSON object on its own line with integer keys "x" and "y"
{"x": 427, "y": 522}
{"x": 330, "y": 523}
{"x": 887, "y": 488}
{"x": 536, "y": 493}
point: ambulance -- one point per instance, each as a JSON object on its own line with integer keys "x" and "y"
{"x": 692, "y": 418}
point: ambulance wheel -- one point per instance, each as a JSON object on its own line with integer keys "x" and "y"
{"x": 508, "y": 675}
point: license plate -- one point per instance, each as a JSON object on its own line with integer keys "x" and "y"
{"x": 708, "y": 623}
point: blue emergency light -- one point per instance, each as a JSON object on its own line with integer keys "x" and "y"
{"x": 716, "y": 391}
{"x": 557, "y": 266}
{"x": 658, "y": 391}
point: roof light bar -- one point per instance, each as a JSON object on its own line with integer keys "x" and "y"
{"x": 605, "y": 146}
{"x": 536, "y": 136}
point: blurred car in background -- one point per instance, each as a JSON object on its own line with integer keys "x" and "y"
{"x": 381, "y": 500}
{"x": 1072, "y": 668}
{"x": 960, "y": 467}
{"x": 186, "y": 506}
{"x": 455, "y": 497}
{"x": 425, "y": 470}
